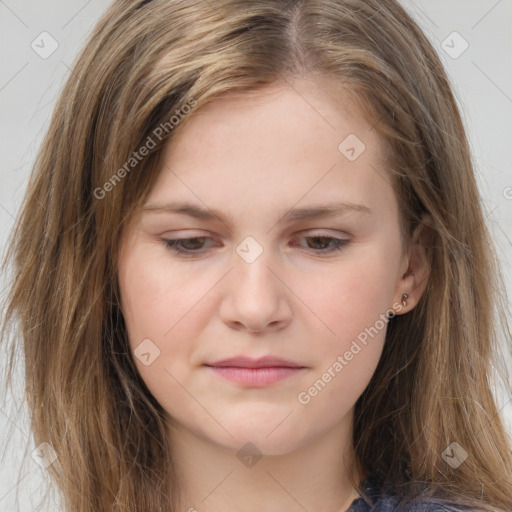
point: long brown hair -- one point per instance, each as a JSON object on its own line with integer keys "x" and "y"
{"x": 149, "y": 61}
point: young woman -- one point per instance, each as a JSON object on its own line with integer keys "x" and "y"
{"x": 252, "y": 272}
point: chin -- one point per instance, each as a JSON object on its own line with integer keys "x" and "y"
{"x": 280, "y": 439}
{"x": 256, "y": 444}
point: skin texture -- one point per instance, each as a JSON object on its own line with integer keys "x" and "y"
{"x": 253, "y": 157}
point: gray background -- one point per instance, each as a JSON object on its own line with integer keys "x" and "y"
{"x": 29, "y": 85}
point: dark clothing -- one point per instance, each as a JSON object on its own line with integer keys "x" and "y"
{"x": 387, "y": 502}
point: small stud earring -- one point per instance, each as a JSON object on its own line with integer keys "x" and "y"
{"x": 404, "y": 297}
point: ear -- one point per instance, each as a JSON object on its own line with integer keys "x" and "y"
{"x": 415, "y": 269}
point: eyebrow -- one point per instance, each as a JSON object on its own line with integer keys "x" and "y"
{"x": 296, "y": 214}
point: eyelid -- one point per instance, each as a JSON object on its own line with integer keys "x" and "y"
{"x": 340, "y": 243}
{"x": 313, "y": 232}
{"x": 185, "y": 232}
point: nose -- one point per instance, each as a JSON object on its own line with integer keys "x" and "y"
{"x": 255, "y": 298}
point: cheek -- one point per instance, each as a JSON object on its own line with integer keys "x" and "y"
{"x": 155, "y": 296}
{"x": 161, "y": 310}
{"x": 352, "y": 298}
{"x": 339, "y": 312}
{"x": 353, "y": 306}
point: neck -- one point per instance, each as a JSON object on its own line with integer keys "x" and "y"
{"x": 313, "y": 477}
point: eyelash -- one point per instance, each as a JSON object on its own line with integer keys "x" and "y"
{"x": 173, "y": 245}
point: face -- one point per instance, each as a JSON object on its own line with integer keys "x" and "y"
{"x": 258, "y": 279}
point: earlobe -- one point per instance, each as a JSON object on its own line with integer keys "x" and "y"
{"x": 414, "y": 280}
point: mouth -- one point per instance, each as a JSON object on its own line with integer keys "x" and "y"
{"x": 257, "y": 373}
{"x": 262, "y": 362}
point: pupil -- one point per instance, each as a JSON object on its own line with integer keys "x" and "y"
{"x": 316, "y": 238}
{"x": 197, "y": 245}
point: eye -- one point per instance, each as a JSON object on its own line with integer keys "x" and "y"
{"x": 190, "y": 247}
{"x": 177, "y": 245}
{"x": 337, "y": 244}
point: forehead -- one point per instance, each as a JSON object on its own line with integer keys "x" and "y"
{"x": 292, "y": 108}
{"x": 284, "y": 143}
{"x": 320, "y": 101}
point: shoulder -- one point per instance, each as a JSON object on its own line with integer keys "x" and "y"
{"x": 391, "y": 504}
{"x": 385, "y": 502}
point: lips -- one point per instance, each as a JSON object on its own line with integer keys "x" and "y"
{"x": 256, "y": 373}
{"x": 263, "y": 362}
